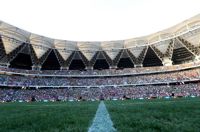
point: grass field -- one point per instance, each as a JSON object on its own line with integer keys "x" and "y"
{"x": 48, "y": 117}
{"x": 155, "y": 115}
{"x": 127, "y": 116}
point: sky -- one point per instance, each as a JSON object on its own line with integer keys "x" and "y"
{"x": 96, "y": 20}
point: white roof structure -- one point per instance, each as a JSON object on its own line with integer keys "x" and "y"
{"x": 89, "y": 49}
{"x": 41, "y": 44}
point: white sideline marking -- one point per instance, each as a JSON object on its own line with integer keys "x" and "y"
{"x": 102, "y": 121}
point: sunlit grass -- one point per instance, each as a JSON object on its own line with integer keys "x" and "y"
{"x": 49, "y": 117}
{"x": 129, "y": 115}
{"x": 155, "y": 115}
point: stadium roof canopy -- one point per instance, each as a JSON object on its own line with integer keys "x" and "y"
{"x": 26, "y": 36}
{"x": 110, "y": 47}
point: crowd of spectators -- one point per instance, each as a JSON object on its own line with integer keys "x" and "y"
{"x": 94, "y": 87}
{"x": 30, "y": 81}
{"x": 107, "y": 93}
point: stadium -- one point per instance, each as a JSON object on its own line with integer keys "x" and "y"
{"x": 155, "y": 74}
{"x": 167, "y": 57}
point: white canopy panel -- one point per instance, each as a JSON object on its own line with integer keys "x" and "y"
{"x": 40, "y": 44}
{"x": 112, "y": 48}
{"x": 166, "y": 36}
{"x": 64, "y": 44}
{"x": 136, "y": 51}
{"x": 14, "y": 32}
{"x": 154, "y": 39}
{"x": 162, "y": 46}
{"x": 65, "y": 53}
{"x": 10, "y": 44}
{"x": 195, "y": 22}
{"x": 177, "y": 44}
{"x": 129, "y": 43}
{"x": 65, "y": 48}
{"x": 39, "y": 50}
{"x": 41, "y": 40}
{"x": 112, "y": 53}
{"x": 194, "y": 40}
{"x": 88, "y": 49}
{"x": 181, "y": 30}
{"x": 193, "y": 37}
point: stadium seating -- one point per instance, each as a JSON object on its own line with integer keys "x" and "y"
{"x": 34, "y": 67}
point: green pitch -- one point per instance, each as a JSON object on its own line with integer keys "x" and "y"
{"x": 155, "y": 115}
{"x": 127, "y": 116}
{"x": 48, "y": 117}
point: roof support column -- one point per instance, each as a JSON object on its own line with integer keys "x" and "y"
{"x": 112, "y": 67}
{"x": 138, "y": 65}
{"x": 64, "y": 68}
{"x": 166, "y": 61}
{"x": 197, "y": 58}
{"x": 89, "y": 67}
{"x": 36, "y": 67}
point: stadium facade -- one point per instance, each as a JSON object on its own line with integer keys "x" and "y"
{"x": 176, "y": 45}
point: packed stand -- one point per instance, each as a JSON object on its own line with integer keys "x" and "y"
{"x": 107, "y": 93}
{"x": 169, "y": 77}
